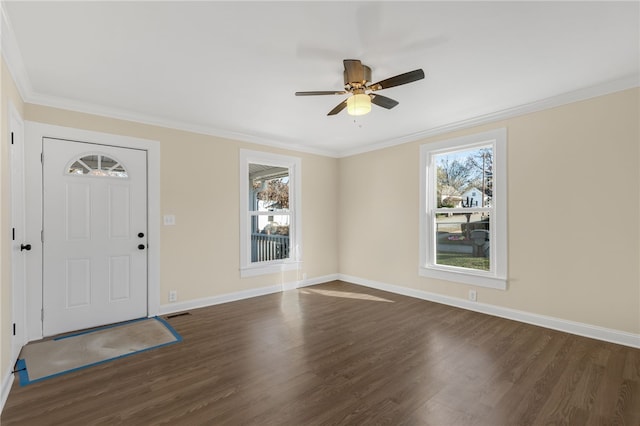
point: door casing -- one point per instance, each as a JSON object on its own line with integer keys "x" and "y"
{"x": 18, "y": 256}
{"x": 34, "y": 133}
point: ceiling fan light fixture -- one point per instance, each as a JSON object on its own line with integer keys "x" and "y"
{"x": 356, "y": 77}
{"x": 359, "y": 104}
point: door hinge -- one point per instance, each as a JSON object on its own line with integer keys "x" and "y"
{"x": 42, "y": 157}
{"x": 41, "y": 314}
{"x": 14, "y": 328}
{"x": 13, "y": 234}
{"x": 42, "y": 236}
{"x": 11, "y": 138}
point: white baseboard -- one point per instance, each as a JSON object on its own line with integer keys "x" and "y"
{"x": 578, "y": 328}
{"x": 318, "y": 280}
{"x": 7, "y": 381}
{"x": 170, "y": 308}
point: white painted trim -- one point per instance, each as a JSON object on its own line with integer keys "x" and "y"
{"x": 122, "y": 114}
{"x": 15, "y": 63}
{"x": 271, "y": 268}
{"x": 555, "y": 101}
{"x": 18, "y": 222}
{"x": 572, "y": 327}
{"x": 605, "y": 88}
{"x": 477, "y": 279}
{"x": 34, "y": 132}
{"x": 241, "y": 295}
{"x": 217, "y": 300}
{"x": 7, "y": 382}
{"x": 294, "y": 164}
{"x": 497, "y": 277}
{"x": 318, "y": 280}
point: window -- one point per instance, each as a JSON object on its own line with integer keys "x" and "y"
{"x": 97, "y": 165}
{"x": 463, "y": 210}
{"x": 270, "y": 225}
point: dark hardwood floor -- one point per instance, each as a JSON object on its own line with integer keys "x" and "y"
{"x": 341, "y": 354}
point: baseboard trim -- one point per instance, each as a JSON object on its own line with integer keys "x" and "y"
{"x": 572, "y": 327}
{"x": 318, "y": 280}
{"x": 7, "y": 381}
{"x": 171, "y": 308}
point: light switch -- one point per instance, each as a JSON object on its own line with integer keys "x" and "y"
{"x": 169, "y": 219}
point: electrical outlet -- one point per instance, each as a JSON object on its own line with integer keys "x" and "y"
{"x": 473, "y": 296}
{"x": 173, "y": 296}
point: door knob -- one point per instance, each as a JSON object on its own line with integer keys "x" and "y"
{"x": 26, "y": 247}
{"x": 140, "y": 246}
{"x": 140, "y": 234}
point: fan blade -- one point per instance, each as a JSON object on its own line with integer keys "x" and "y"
{"x": 326, "y": 92}
{"x": 342, "y": 105}
{"x": 407, "y": 77}
{"x": 383, "y": 101}
{"x": 355, "y": 72}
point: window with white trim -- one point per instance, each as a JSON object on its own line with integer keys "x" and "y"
{"x": 463, "y": 228}
{"x": 270, "y": 223}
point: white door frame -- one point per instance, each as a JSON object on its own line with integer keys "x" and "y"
{"x": 18, "y": 256}
{"x": 34, "y": 133}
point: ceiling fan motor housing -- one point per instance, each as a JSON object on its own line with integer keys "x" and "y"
{"x": 358, "y": 79}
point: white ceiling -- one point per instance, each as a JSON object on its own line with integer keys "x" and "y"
{"x": 231, "y": 68}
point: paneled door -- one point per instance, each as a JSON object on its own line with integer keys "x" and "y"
{"x": 94, "y": 235}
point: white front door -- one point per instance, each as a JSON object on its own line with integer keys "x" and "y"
{"x": 94, "y": 235}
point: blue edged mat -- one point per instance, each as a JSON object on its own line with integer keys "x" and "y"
{"x": 51, "y": 358}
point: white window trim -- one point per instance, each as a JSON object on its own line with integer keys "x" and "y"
{"x": 247, "y": 268}
{"x": 497, "y": 278}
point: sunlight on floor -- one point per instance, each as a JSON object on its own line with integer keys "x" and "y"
{"x": 345, "y": 294}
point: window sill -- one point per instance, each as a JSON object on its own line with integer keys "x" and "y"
{"x": 479, "y": 280}
{"x": 271, "y": 268}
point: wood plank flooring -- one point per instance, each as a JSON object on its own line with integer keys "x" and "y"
{"x": 341, "y": 354}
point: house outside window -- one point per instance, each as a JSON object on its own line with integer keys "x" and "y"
{"x": 270, "y": 223}
{"x": 463, "y": 210}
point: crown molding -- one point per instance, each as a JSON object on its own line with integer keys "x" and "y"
{"x": 612, "y": 86}
{"x": 15, "y": 64}
{"x": 126, "y": 115}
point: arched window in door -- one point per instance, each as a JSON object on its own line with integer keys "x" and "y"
{"x": 97, "y": 165}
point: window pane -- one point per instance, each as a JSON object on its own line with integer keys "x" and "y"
{"x": 269, "y": 237}
{"x": 77, "y": 169}
{"x": 268, "y": 188}
{"x": 91, "y": 161}
{"x": 111, "y": 167}
{"x": 464, "y": 176}
{"x": 462, "y": 240}
{"x": 106, "y": 163}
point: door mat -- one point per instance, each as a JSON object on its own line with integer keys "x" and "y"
{"x": 50, "y": 358}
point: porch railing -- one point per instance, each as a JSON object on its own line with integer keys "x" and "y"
{"x": 265, "y": 247}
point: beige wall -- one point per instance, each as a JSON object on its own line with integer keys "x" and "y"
{"x": 573, "y": 209}
{"x": 200, "y": 186}
{"x": 8, "y": 93}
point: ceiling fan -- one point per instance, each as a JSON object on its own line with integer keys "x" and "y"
{"x": 356, "y": 77}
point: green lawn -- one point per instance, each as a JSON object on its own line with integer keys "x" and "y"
{"x": 463, "y": 261}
